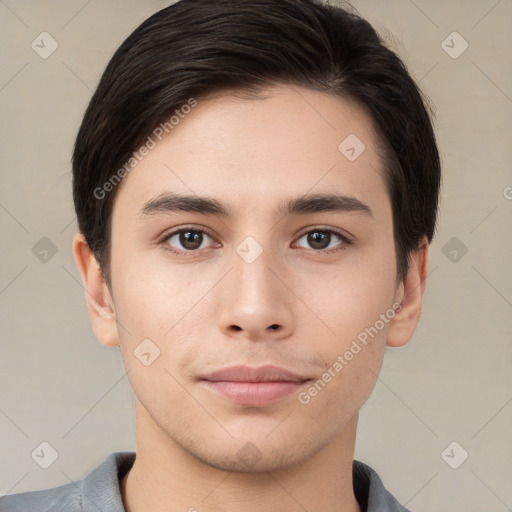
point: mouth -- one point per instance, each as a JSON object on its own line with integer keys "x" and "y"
{"x": 254, "y": 387}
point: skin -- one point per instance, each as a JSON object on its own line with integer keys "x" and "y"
{"x": 212, "y": 309}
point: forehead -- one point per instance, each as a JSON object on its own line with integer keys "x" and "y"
{"x": 287, "y": 142}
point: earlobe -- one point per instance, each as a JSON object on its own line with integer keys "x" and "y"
{"x": 410, "y": 295}
{"x": 99, "y": 301}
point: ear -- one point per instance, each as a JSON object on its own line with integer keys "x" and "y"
{"x": 410, "y": 295}
{"x": 99, "y": 301}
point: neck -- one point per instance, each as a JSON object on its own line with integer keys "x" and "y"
{"x": 166, "y": 477}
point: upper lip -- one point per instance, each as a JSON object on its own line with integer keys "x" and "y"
{"x": 242, "y": 373}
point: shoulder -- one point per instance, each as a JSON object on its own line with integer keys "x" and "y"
{"x": 65, "y": 497}
{"x": 98, "y": 491}
{"x": 370, "y": 491}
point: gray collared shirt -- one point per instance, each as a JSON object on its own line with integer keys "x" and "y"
{"x": 100, "y": 491}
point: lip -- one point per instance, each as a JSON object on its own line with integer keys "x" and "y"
{"x": 254, "y": 387}
{"x": 243, "y": 373}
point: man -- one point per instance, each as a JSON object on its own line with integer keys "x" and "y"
{"x": 256, "y": 185}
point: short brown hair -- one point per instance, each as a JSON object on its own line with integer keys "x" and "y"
{"x": 196, "y": 47}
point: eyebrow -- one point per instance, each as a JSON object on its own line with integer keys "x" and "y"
{"x": 169, "y": 202}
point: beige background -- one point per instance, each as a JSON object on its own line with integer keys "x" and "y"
{"x": 452, "y": 382}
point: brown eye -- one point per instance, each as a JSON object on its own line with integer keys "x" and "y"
{"x": 186, "y": 240}
{"x": 321, "y": 239}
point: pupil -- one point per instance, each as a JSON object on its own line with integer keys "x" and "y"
{"x": 189, "y": 239}
{"x": 318, "y": 239}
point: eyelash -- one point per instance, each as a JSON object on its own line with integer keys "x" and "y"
{"x": 344, "y": 239}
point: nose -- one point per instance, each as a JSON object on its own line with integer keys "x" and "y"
{"x": 256, "y": 302}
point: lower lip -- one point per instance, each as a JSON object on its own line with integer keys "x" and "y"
{"x": 253, "y": 394}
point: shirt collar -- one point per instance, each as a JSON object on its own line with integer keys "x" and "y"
{"x": 101, "y": 488}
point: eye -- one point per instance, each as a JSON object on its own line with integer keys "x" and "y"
{"x": 185, "y": 240}
{"x": 321, "y": 239}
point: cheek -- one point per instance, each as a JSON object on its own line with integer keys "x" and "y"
{"x": 156, "y": 338}
{"x": 151, "y": 296}
{"x": 329, "y": 403}
{"x": 351, "y": 298}
{"x": 350, "y": 369}
{"x": 356, "y": 304}
{"x": 165, "y": 304}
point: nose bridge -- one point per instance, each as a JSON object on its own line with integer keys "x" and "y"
{"x": 252, "y": 263}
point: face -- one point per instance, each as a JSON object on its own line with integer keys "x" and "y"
{"x": 270, "y": 273}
